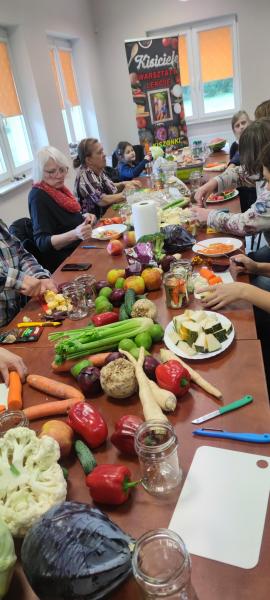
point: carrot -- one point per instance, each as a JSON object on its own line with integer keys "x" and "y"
{"x": 53, "y": 388}
{"x": 215, "y": 279}
{"x": 206, "y": 273}
{"x": 14, "y": 391}
{"x": 97, "y": 360}
{"x": 166, "y": 355}
{"x": 64, "y": 367}
{"x": 2, "y": 408}
{"x": 49, "y": 409}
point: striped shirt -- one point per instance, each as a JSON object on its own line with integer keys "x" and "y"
{"x": 15, "y": 263}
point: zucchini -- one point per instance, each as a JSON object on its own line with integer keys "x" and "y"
{"x": 85, "y": 457}
{"x": 220, "y": 335}
{"x": 130, "y": 299}
{"x": 184, "y": 347}
{"x": 212, "y": 343}
{"x": 123, "y": 316}
{"x": 228, "y": 329}
{"x": 200, "y": 344}
{"x": 189, "y": 331}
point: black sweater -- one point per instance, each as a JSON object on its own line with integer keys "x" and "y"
{"x": 48, "y": 218}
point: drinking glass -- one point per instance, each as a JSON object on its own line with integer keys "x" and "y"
{"x": 76, "y": 295}
{"x": 88, "y": 282}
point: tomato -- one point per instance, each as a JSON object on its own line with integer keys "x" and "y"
{"x": 141, "y": 122}
{"x": 166, "y": 42}
{"x": 174, "y": 43}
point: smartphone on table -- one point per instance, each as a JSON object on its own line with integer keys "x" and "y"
{"x": 76, "y": 267}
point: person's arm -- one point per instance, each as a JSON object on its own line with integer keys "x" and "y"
{"x": 224, "y": 294}
{"x": 127, "y": 173}
{"x": 243, "y": 264}
{"x": 11, "y": 362}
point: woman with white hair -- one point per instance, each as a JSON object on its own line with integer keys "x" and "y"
{"x": 58, "y": 225}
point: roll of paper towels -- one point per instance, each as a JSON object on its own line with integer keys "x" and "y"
{"x": 145, "y": 218}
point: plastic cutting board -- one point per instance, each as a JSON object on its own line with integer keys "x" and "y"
{"x": 221, "y": 510}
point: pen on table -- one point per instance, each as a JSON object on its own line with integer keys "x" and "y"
{"x": 96, "y": 247}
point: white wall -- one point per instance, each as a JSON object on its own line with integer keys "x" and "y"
{"x": 28, "y": 23}
{"x": 118, "y": 20}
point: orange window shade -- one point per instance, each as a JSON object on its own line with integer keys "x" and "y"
{"x": 216, "y": 54}
{"x": 55, "y": 74}
{"x": 183, "y": 60}
{"x": 9, "y": 101}
{"x": 67, "y": 69}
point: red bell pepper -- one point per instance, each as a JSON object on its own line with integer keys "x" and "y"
{"x": 110, "y": 484}
{"x": 85, "y": 419}
{"x": 105, "y": 318}
{"x": 172, "y": 376}
{"x": 124, "y": 434}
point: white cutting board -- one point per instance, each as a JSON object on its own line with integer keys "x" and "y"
{"x": 221, "y": 510}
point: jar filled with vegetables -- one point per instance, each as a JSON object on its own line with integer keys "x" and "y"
{"x": 175, "y": 284}
{"x": 156, "y": 445}
{"x": 178, "y": 266}
{"x": 162, "y": 567}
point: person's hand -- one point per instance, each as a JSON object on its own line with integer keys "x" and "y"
{"x": 89, "y": 218}
{"x": 204, "y": 191}
{"x": 30, "y": 286}
{"x": 83, "y": 231}
{"x": 47, "y": 284}
{"x": 243, "y": 264}
{"x": 131, "y": 185}
{"x": 222, "y": 294}
{"x": 148, "y": 157}
{"x": 200, "y": 214}
{"x": 11, "y": 362}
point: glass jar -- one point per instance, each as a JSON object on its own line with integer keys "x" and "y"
{"x": 125, "y": 213}
{"x": 76, "y": 295}
{"x": 162, "y": 567}
{"x": 157, "y": 181}
{"x": 157, "y": 447}
{"x": 12, "y": 418}
{"x": 88, "y": 282}
{"x": 175, "y": 284}
{"x": 195, "y": 181}
{"x": 177, "y": 267}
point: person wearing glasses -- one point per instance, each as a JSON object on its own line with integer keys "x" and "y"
{"x": 94, "y": 189}
{"x": 58, "y": 225}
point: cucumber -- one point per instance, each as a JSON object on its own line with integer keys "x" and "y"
{"x": 85, "y": 457}
{"x": 123, "y": 316}
{"x": 130, "y": 299}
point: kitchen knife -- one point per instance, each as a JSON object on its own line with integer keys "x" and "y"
{"x": 224, "y": 409}
{"x": 259, "y": 438}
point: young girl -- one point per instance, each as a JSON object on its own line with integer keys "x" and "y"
{"x": 126, "y": 162}
{"x": 240, "y": 121}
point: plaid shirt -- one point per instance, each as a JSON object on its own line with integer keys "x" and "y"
{"x": 15, "y": 263}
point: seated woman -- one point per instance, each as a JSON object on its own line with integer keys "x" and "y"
{"x": 127, "y": 166}
{"x": 58, "y": 225}
{"x": 240, "y": 121}
{"x": 95, "y": 191}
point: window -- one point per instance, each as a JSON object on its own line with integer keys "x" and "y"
{"x": 208, "y": 58}
{"x": 64, "y": 76}
{"x": 15, "y": 150}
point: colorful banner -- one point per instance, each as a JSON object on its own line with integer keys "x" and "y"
{"x": 156, "y": 89}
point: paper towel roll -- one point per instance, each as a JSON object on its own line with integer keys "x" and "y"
{"x": 145, "y": 218}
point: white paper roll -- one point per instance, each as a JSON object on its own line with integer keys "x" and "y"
{"x": 145, "y": 218}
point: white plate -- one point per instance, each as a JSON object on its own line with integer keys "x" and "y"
{"x": 209, "y": 201}
{"x": 199, "y": 246}
{"x": 200, "y": 355}
{"x": 97, "y": 232}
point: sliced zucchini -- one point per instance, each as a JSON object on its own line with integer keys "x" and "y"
{"x": 212, "y": 343}
{"x": 184, "y": 347}
{"x": 201, "y": 344}
{"x": 221, "y": 335}
{"x": 174, "y": 337}
{"x": 228, "y": 329}
{"x": 189, "y": 331}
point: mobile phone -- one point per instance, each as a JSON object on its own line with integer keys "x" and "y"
{"x": 76, "y": 267}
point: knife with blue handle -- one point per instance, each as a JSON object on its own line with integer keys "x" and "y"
{"x": 257, "y": 438}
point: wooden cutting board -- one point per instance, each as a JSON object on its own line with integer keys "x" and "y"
{"x": 221, "y": 510}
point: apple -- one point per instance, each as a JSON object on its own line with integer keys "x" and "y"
{"x": 174, "y": 43}
{"x": 136, "y": 283}
{"x": 61, "y": 432}
{"x": 152, "y": 278}
{"x": 166, "y": 42}
{"x": 115, "y": 247}
{"x": 129, "y": 238}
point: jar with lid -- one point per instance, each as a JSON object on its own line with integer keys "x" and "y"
{"x": 177, "y": 268}
{"x": 176, "y": 290}
{"x": 162, "y": 567}
{"x": 156, "y": 444}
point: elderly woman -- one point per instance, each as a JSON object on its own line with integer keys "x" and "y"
{"x": 58, "y": 225}
{"x": 95, "y": 191}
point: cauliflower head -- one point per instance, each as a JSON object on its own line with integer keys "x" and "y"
{"x": 31, "y": 480}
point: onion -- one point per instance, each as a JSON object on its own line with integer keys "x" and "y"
{"x": 101, "y": 284}
{"x": 149, "y": 366}
{"x": 113, "y": 356}
{"x": 89, "y": 381}
{"x": 166, "y": 262}
{"x": 117, "y": 297}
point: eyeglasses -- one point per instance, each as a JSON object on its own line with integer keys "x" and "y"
{"x": 55, "y": 172}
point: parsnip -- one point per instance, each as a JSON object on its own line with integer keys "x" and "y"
{"x": 151, "y": 409}
{"x": 166, "y": 355}
{"x": 166, "y": 400}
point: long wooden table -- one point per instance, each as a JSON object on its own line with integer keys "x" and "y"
{"x": 237, "y": 372}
